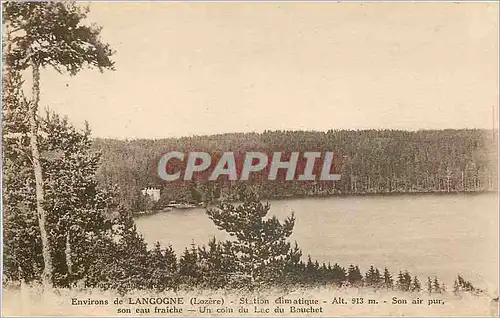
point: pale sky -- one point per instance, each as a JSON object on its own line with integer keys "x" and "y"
{"x": 205, "y": 68}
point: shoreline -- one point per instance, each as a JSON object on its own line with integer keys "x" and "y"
{"x": 325, "y": 196}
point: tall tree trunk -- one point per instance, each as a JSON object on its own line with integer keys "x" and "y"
{"x": 67, "y": 252}
{"x": 37, "y": 168}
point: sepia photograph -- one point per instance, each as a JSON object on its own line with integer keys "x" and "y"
{"x": 250, "y": 159}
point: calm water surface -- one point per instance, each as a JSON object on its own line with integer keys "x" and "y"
{"x": 426, "y": 234}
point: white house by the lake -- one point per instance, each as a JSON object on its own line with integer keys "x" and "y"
{"x": 153, "y": 193}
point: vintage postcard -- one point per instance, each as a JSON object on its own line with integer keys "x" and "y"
{"x": 250, "y": 159}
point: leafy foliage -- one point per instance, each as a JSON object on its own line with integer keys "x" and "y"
{"x": 52, "y": 33}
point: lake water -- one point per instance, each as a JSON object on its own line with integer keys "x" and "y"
{"x": 427, "y": 235}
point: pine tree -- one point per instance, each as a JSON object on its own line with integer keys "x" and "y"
{"x": 190, "y": 272}
{"x": 462, "y": 285}
{"x": 310, "y": 272}
{"x": 158, "y": 267}
{"x": 162, "y": 264}
{"x": 339, "y": 274}
{"x": 404, "y": 281}
{"x": 217, "y": 264}
{"x": 378, "y": 277}
{"x": 75, "y": 205}
{"x": 407, "y": 281}
{"x": 416, "y": 287}
{"x": 388, "y": 281}
{"x": 21, "y": 242}
{"x": 261, "y": 244}
{"x": 293, "y": 270}
{"x": 400, "y": 282}
{"x": 429, "y": 286}
{"x": 123, "y": 260}
{"x": 316, "y": 265}
{"x": 368, "y": 274}
{"x": 436, "y": 286}
{"x": 354, "y": 276}
{"x": 48, "y": 34}
{"x": 373, "y": 277}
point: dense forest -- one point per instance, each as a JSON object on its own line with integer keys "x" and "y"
{"x": 369, "y": 161}
{"x": 64, "y": 228}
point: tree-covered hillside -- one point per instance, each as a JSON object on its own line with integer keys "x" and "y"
{"x": 370, "y": 161}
